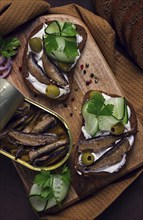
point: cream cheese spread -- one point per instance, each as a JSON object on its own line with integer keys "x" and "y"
{"x": 41, "y": 87}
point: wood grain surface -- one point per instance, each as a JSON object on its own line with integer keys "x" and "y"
{"x": 70, "y": 109}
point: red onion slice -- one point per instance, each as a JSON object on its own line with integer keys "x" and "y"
{"x": 2, "y": 60}
{"x": 5, "y": 68}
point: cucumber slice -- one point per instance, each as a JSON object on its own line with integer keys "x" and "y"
{"x": 35, "y": 190}
{"x": 119, "y": 106}
{"x": 59, "y": 53}
{"x": 60, "y": 56}
{"x": 84, "y": 110}
{"x": 70, "y": 39}
{"x": 61, "y": 43}
{"x": 91, "y": 124}
{"x": 126, "y": 118}
{"x": 53, "y": 28}
{"x": 38, "y": 203}
{"x": 61, "y": 25}
{"x": 69, "y": 30}
{"x": 106, "y": 122}
{"x": 60, "y": 189}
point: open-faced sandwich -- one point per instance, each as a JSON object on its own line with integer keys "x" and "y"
{"x": 108, "y": 134}
{"x": 51, "y": 54}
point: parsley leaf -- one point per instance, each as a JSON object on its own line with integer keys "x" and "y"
{"x": 107, "y": 110}
{"x": 8, "y": 48}
{"x": 41, "y": 178}
{"x": 50, "y": 43}
{"x": 11, "y": 43}
{"x": 64, "y": 44}
{"x": 66, "y": 175}
{"x": 97, "y": 107}
{"x": 47, "y": 193}
{"x": 71, "y": 49}
{"x": 45, "y": 180}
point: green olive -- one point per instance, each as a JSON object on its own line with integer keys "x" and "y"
{"x": 65, "y": 67}
{"x": 87, "y": 158}
{"x": 117, "y": 128}
{"x": 52, "y": 91}
{"x": 35, "y": 44}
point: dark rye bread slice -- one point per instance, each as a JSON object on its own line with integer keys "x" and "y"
{"x": 111, "y": 157}
{"x": 81, "y": 31}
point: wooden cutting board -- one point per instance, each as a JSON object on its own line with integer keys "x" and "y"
{"x": 92, "y": 61}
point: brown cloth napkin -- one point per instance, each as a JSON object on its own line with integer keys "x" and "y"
{"x": 129, "y": 76}
{"x": 126, "y": 17}
{"x": 15, "y": 13}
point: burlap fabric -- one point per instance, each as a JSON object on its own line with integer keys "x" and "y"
{"x": 15, "y": 13}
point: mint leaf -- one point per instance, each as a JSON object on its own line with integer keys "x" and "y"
{"x": 50, "y": 43}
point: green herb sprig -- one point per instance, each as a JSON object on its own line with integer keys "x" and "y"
{"x": 71, "y": 48}
{"x": 45, "y": 179}
{"x": 97, "y": 106}
{"x": 8, "y": 48}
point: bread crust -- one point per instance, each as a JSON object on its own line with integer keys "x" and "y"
{"x": 133, "y": 123}
{"x": 70, "y": 74}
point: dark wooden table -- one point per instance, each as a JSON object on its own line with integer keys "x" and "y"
{"x": 14, "y": 204}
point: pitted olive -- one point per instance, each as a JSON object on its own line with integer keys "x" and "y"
{"x": 117, "y": 128}
{"x": 87, "y": 158}
{"x": 35, "y": 44}
{"x": 52, "y": 91}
